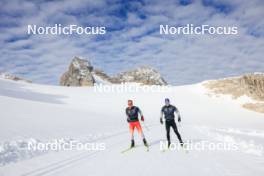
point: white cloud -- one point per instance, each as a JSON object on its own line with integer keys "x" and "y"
{"x": 135, "y": 40}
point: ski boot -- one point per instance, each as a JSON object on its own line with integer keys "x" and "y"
{"x": 132, "y": 143}
{"x": 169, "y": 143}
{"x": 145, "y": 142}
{"x": 181, "y": 142}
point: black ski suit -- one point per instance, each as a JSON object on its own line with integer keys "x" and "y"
{"x": 169, "y": 116}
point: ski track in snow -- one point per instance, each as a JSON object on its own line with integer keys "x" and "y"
{"x": 15, "y": 151}
{"x": 212, "y": 133}
{"x": 72, "y": 160}
{"x": 55, "y": 167}
{"x": 230, "y": 135}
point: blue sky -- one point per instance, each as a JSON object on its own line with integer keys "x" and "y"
{"x": 133, "y": 38}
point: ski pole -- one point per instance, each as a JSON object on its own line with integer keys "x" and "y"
{"x": 145, "y": 126}
{"x": 180, "y": 125}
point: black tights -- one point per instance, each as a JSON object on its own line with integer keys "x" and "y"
{"x": 172, "y": 124}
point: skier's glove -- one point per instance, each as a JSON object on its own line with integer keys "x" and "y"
{"x": 179, "y": 119}
{"x": 161, "y": 121}
{"x": 128, "y": 120}
{"x": 142, "y": 118}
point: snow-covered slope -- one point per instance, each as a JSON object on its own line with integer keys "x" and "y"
{"x": 40, "y": 113}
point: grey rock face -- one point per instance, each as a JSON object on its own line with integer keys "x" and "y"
{"x": 253, "y": 84}
{"x": 145, "y": 75}
{"x": 78, "y": 74}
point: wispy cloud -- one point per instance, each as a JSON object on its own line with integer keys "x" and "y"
{"x": 133, "y": 38}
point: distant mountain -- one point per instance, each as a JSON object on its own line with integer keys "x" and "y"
{"x": 13, "y": 77}
{"x": 82, "y": 73}
{"x": 79, "y": 73}
{"x": 251, "y": 85}
{"x": 145, "y": 75}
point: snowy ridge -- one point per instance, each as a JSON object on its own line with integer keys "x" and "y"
{"x": 100, "y": 80}
{"x": 9, "y": 76}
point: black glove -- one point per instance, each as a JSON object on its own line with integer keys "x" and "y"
{"x": 128, "y": 120}
{"x": 179, "y": 119}
{"x": 161, "y": 121}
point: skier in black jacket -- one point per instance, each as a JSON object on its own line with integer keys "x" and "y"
{"x": 168, "y": 111}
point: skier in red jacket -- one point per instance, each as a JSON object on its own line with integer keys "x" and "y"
{"x": 132, "y": 113}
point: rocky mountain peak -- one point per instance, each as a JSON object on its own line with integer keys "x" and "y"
{"x": 145, "y": 75}
{"x": 82, "y": 73}
{"x": 79, "y": 73}
{"x": 81, "y": 64}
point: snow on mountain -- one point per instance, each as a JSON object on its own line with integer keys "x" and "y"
{"x": 101, "y": 77}
{"x": 13, "y": 77}
{"x": 33, "y": 113}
